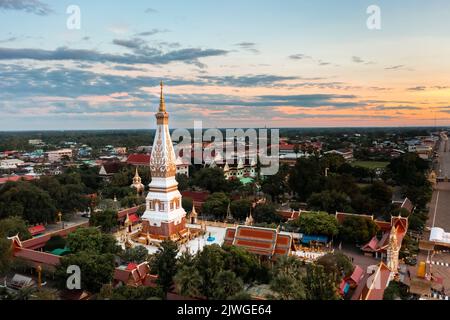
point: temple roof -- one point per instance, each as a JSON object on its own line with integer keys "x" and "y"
{"x": 261, "y": 241}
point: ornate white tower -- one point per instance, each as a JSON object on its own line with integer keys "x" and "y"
{"x": 137, "y": 183}
{"x": 164, "y": 216}
{"x": 393, "y": 251}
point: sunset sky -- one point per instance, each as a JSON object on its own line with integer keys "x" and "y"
{"x": 251, "y": 63}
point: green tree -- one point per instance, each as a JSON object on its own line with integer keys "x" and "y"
{"x": 92, "y": 240}
{"x": 55, "y": 242}
{"x": 306, "y": 177}
{"x": 287, "y": 282}
{"x": 276, "y": 185}
{"x": 209, "y": 262}
{"x": 130, "y": 293}
{"x": 188, "y": 282}
{"x": 106, "y": 220}
{"x": 356, "y": 229}
{"x": 313, "y": 223}
{"x": 136, "y": 254}
{"x": 336, "y": 263}
{"x": 329, "y": 201}
{"x": 183, "y": 182}
{"x": 241, "y": 262}
{"x": 164, "y": 264}
{"x": 319, "y": 284}
{"x": 211, "y": 179}
{"x": 96, "y": 269}
{"x": 226, "y": 284}
{"x": 216, "y": 205}
{"x": 187, "y": 204}
{"x": 12, "y": 226}
{"x": 266, "y": 213}
{"x": 241, "y": 209}
{"x": 28, "y": 201}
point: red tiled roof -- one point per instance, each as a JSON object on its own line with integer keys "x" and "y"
{"x": 16, "y": 178}
{"x": 37, "y": 256}
{"x": 122, "y": 214}
{"x": 196, "y": 196}
{"x": 131, "y": 266}
{"x": 374, "y": 288}
{"x": 139, "y": 159}
{"x": 383, "y": 225}
{"x": 134, "y": 218}
{"x": 357, "y": 274}
{"x": 39, "y": 242}
{"x": 407, "y": 204}
{"x": 371, "y": 246}
{"x": 112, "y": 167}
{"x": 36, "y": 230}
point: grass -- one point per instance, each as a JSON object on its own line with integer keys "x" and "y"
{"x": 371, "y": 164}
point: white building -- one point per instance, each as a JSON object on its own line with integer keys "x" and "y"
{"x": 164, "y": 216}
{"x": 10, "y": 163}
{"x": 58, "y": 155}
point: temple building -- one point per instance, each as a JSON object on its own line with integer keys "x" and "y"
{"x": 164, "y": 217}
{"x": 137, "y": 183}
{"x": 393, "y": 250}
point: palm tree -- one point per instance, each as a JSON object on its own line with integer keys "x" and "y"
{"x": 188, "y": 282}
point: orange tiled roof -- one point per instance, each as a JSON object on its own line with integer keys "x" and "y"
{"x": 374, "y": 288}
{"x": 261, "y": 241}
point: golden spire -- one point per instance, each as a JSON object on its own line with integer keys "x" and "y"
{"x": 162, "y": 103}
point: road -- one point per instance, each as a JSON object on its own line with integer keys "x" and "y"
{"x": 439, "y": 209}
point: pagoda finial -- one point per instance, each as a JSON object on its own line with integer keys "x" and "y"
{"x": 162, "y": 103}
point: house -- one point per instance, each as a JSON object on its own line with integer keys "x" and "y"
{"x": 347, "y": 154}
{"x": 10, "y": 163}
{"x": 58, "y": 155}
{"x": 16, "y": 178}
{"x": 134, "y": 275}
{"x": 110, "y": 168}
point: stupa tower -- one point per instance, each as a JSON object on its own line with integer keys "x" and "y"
{"x": 164, "y": 216}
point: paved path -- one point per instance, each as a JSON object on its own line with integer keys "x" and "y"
{"x": 439, "y": 209}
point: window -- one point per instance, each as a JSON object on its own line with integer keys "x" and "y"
{"x": 171, "y": 205}
{"x": 161, "y": 206}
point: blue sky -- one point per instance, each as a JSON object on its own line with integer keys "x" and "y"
{"x": 228, "y": 63}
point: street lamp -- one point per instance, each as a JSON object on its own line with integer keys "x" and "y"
{"x": 60, "y": 218}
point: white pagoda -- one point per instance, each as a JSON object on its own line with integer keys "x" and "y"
{"x": 164, "y": 217}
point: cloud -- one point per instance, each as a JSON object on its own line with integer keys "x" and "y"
{"x": 246, "y": 81}
{"x": 299, "y": 56}
{"x": 10, "y": 39}
{"x": 30, "y": 6}
{"x": 356, "y": 59}
{"x": 151, "y": 32}
{"x": 127, "y": 68}
{"x": 248, "y": 46}
{"x": 418, "y": 88}
{"x": 423, "y": 88}
{"x": 151, "y": 10}
{"x": 135, "y": 43}
{"x": 150, "y": 56}
{"x": 396, "y": 67}
{"x": 387, "y": 108}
